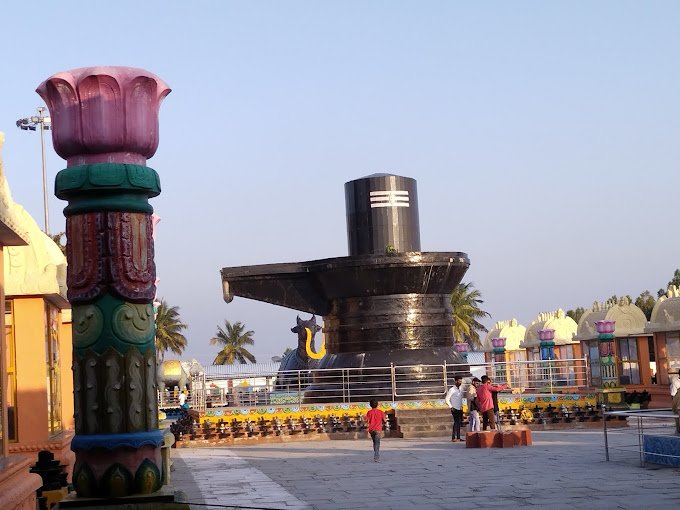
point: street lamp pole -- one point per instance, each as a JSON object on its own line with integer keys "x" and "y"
{"x": 31, "y": 124}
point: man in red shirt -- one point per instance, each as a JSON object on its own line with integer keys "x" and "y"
{"x": 485, "y": 401}
{"x": 375, "y": 418}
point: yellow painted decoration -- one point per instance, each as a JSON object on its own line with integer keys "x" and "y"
{"x": 172, "y": 368}
{"x": 118, "y": 485}
{"x": 526, "y": 415}
{"x": 614, "y": 398}
{"x": 308, "y": 346}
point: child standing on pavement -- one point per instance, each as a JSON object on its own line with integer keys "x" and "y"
{"x": 375, "y": 418}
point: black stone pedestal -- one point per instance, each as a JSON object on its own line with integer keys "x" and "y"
{"x": 164, "y": 499}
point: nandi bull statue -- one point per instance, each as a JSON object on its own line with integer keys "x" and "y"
{"x": 304, "y": 357}
{"x": 171, "y": 373}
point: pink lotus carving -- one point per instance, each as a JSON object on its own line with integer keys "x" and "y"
{"x": 605, "y": 326}
{"x": 498, "y": 342}
{"x": 104, "y": 114}
{"x": 546, "y": 335}
{"x": 461, "y": 347}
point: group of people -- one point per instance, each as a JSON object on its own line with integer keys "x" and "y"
{"x": 481, "y": 400}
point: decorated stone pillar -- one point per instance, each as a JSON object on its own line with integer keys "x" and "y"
{"x": 105, "y": 125}
{"x": 498, "y": 345}
{"x": 612, "y": 392}
{"x": 498, "y": 355}
{"x": 547, "y": 345}
{"x": 547, "y": 352}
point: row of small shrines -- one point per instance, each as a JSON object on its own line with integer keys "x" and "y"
{"x": 630, "y": 320}
{"x": 638, "y": 355}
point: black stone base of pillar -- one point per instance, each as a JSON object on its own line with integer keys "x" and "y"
{"x": 164, "y": 499}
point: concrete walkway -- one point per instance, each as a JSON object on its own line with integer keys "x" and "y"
{"x": 562, "y": 470}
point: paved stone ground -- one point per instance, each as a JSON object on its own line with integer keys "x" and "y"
{"x": 562, "y": 470}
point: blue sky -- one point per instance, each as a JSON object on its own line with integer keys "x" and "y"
{"x": 544, "y": 136}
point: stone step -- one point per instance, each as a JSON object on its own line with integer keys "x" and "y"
{"x": 403, "y": 413}
{"x": 426, "y": 426}
{"x": 422, "y": 419}
{"x": 425, "y": 433}
{"x": 419, "y": 422}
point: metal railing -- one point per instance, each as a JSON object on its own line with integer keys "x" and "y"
{"x": 195, "y": 395}
{"x": 396, "y": 382}
{"x": 542, "y": 376}
{"x": 644, "y": 438}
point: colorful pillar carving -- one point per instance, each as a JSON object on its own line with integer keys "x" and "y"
{"x": 462, "y": 348}
{"x": 105, "y": 125}
{"x": 547, "y": 351}
{"x": 498, "y": 349}
{"x": 612, "y": 393}
{"x": 547, "y": 345}
{"x": 498, "y": 354}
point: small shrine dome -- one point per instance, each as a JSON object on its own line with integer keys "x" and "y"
{"x": 511, "y": 330}
{"x": 666, "y": 312}
{"x": 630, "y": 319}
{"x": 565, "y": 328}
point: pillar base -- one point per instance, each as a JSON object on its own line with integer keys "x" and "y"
{"x": 164, "y": 499}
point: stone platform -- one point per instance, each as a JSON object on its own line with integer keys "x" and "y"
{"x": 493, "y": 439}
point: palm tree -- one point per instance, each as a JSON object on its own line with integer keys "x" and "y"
{"x": 169, "y": 329}
{"x": 465, "y": 301}
{"x": 233, "y": 338}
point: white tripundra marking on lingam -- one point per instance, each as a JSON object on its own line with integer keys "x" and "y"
{"x": 389, "y": 198}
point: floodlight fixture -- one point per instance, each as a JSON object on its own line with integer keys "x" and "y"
{"x": 31, "y": 124}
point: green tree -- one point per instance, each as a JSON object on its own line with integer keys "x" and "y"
{"x": 676, "y": 279}
{"x": 233, "y": 339}
{"x": 616, "y": 299}
{"x": 645, "y": 302}
{"x": 169, "y": 329}
{"x": 576, "y": 314}
{"x": 466, "y": 313}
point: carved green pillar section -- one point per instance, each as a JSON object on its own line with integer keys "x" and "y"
{"x": 612, "y": 394}
{"x": 105, "y": 124}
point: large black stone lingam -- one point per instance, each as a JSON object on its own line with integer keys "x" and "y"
{"x": 386, "y": 303}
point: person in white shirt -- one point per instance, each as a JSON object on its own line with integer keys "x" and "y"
{"x": 675, "y": 383}
{"x": 182, "y": 399}
{"x": 675, "y": 395}
{"x": 454, "y": 399}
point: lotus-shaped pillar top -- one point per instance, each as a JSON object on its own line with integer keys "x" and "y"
{"x": 546, "y": 335}
{"x": 498, "y": 343}
{"x": 605, "y": 326}
{"x": 104, "y": 114}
